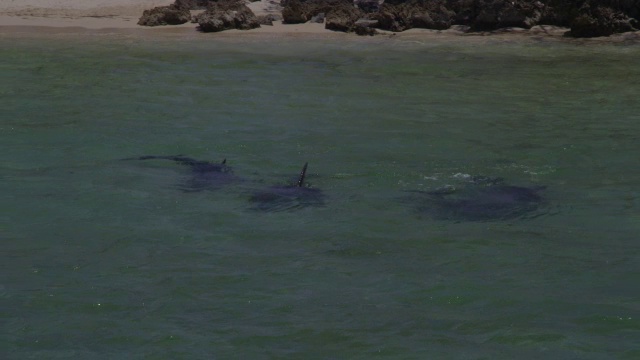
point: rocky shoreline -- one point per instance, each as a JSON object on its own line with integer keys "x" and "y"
{"x": 583, "y": 18}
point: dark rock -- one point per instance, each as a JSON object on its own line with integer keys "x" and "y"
{"x": 319, "y": 18}
{"x": 165, "y": 15}
{"x": 433, "y": 16}
{"x": 593, "y": 21}
{"x": 415, "y": 13}
{"x": 339, "y": 13}
{"x": 585, "y": 17}
{"x": 368, "y": 6}
{"x": 342, "y": 17}
{"x": 294, "y": 12}
{"x": 495, "y": 14}
{"x": 558, "y": 13}
{"x": 226, "y": 15}
{"x": 394, "y": 17}
{"x": 364, "y": 30}
{"x": 268, "y": 19}
{"x": 193, "y": 4}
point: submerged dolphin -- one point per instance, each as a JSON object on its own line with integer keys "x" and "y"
{"x": 205, "y": 175}
{"x": 482, "y": 199}
{"x": 288, "y": 197}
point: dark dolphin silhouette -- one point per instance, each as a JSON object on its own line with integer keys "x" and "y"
{"x": 204, "y": 175}
{"x": 482, "y": 199}
{"x": 288, "y": 197}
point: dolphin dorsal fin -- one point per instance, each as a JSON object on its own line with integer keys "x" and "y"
{"x": 224, "y": 161}
{"x": 302, "y": 175}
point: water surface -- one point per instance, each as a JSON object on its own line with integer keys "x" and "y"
{"x": 109, "y": 259}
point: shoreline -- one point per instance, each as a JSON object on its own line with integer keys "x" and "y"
{"x": 308, "y": 31}
{"x": 48, "y": 17}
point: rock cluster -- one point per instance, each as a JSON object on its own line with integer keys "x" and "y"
{"x": 586, "y": 18}
{"x": 193, "y": 4}
{"x": 165, "y": 15}
{"x": 268, "y": 19}
{"x": 218, "y": 16}
{"x": 592, "y": 21}
{"x": 225, "y": 15}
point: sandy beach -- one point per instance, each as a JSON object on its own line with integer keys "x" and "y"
{"x": 124, "y": 14}
{"x": 69, "y": 13}
{"x": 34, "y": 16}
{"x": 115, "y": 14}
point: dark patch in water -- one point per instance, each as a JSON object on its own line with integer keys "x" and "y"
{"x": 204, "y": 175}
{"x": 482, "y": 199}
{"x": 288, "y": 197}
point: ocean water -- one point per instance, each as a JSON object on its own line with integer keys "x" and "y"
{"x": 109, "y": 259}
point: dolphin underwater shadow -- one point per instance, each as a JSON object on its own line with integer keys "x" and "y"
{"x": 288, "y": 197}
{"x": 204, "y": 175}
{"x": 481, "y": 199}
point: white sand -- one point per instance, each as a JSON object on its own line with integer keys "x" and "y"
{"x": 91, "y": 14}
{"x": 78, "y": 8}
{"x": 120, "y": 14}
{"x": 41, "y": 16}
{"x": 38, "y": 15}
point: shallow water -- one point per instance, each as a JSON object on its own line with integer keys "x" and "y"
{"x": 105, "y": 258}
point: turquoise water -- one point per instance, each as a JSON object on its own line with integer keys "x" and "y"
{"x": 103, "y": 258}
